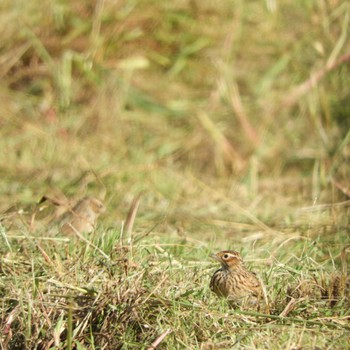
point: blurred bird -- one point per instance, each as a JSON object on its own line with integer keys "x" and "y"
{"x": 234, "y": 281}
{"x": 82, "y": 217}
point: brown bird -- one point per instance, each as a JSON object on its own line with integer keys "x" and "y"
{"x": 234, "y": 281}
{"x": 82, "y": 217}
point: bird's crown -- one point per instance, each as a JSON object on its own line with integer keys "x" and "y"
{"x": 228, "y": 258}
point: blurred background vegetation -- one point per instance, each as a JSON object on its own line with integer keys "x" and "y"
{"x": 189, "y": 101}
{"x": 231, "y": 118}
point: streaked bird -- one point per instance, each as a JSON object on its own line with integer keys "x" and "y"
{"x": 234, "y": 281}
{"x": 82, "y": 217}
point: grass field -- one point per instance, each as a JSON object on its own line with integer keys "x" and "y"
{"x": 228, "y": 122}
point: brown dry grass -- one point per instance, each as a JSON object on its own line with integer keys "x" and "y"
{"x": 232, "y": 121}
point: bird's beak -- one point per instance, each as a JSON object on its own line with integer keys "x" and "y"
{"x": 214, "y": 256}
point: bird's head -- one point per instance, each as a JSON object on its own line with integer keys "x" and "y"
{"x": 229, "y": 259}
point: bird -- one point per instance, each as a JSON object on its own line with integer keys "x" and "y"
{"x": 234, "y": 281}
{"x": 82, "y": 217}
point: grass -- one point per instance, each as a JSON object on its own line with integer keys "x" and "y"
{"x": 231, "y": 122}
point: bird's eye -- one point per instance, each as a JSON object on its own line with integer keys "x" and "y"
{"x": 226, "y": 256}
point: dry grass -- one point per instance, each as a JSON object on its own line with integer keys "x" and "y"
{"x": 231, "y": 122}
